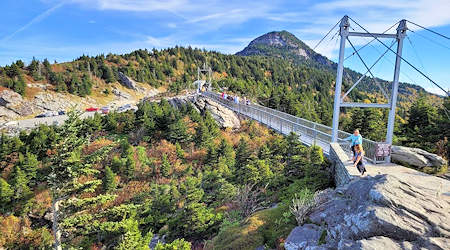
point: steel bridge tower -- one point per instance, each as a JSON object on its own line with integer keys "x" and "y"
{"x": 339, "y": 99}
{"x": 200, "y": 83}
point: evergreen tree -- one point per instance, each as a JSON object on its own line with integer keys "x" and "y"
{"x": 179, "y": 151}
{"x": 6, "y": 195}
{"x": 132, "y": 237}
{"x": 20, "y": 184}
{"x": 226, "y": 153}
{"x": 130, "y": 166}
{"x": 67, "y": 170}
{"x": 165, "y": 167}
{"x": 177, "y": 132}
{"x": 178, "y": 244}
{"x": 421, "y": 125}
{"x": 29, "y": 165}
{"x": 109, "y": 181}
{"x": 243, "y": 154}
{"x": 316, "y": 156}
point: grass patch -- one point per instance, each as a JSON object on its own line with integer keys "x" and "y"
{"x": 268, "y": 227}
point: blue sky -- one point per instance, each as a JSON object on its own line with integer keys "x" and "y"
{"x": 62, "y": 30}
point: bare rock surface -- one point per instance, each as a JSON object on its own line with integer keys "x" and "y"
{"x": 381, "y": 212}
{"x": 416, "y": 157}
{"x": 225, "y": 117}
{"x": 127, "y": 81}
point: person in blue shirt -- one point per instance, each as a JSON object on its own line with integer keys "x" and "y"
{"x": 356, "y": 139}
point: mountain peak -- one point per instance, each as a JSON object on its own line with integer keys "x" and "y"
{"x": 277, "y": 38}
{"x": 283, "y": 44}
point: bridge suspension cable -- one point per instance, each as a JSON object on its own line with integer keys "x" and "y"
{"x": 370, "y": 72}
{"x": 430, "y": 30}
{"x": 406, "y": 61}
{"x": 364, "y": 75}
{"x": 365, "y": 45}
{"x": 327, "y": 34}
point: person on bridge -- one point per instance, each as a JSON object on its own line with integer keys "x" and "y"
{"x": 358, "y": 162}
{"x": 356, "y": 139}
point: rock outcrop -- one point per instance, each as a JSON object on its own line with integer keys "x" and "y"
{"x": 416, "y": 157}
{"x": 13, "y": 103}
{"x": 223, "y": 116}
{"x": 127, "y": 82}
{"x": 381, "y": 212}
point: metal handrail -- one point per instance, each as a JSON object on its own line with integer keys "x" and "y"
{"x": 314, "y": 130}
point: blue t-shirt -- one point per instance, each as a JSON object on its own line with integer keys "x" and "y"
{"x": 354, "y": 139}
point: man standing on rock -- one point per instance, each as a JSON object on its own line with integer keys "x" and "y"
{"x": 356, "y": 139}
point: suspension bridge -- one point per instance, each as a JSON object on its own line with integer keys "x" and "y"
{"x": 314, "y": 133}
{"x": 331, "y": 139}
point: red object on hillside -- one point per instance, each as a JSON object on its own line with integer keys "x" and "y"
{"x": 91, "y": 109}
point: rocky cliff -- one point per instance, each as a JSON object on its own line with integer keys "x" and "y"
{"x": 381, "y": 212}
{"x": 224, "y": 116}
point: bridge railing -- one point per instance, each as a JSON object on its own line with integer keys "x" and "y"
{"x": 286, "y": 123}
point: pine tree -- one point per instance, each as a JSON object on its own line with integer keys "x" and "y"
{"x": 67, "y": 170}
{"x": 226, "y": 153}
{"x": 243, "y": 154}
{"x": 165, "y": 166}
{"x": 109, "y": 181}
{"x": 29, "y": 164}
{"x": 202, "y": 136}
{"x": 316, "y": 156}
{"x": 212, "y": 156}
{"x": 132, "y": 237}
{"x": 177, "y": 132}
{"x": 179, "y": 151}
{"x": 130, "y": 166}
{"x": 20, "y": 184}
{"x": 6, "y": 194}
{"x": 264, "y": 152}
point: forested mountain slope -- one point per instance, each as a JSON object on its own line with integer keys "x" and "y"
{"x": 283, "y": 73}
{"x": 282, "y": 44}
{"x": 122, "y": 178}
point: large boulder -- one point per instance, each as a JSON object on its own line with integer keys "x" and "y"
{"x": 305, "y": 236}
{"x": 225, "y": 117}
{"x": 416, "y": 157}
{"x": 382, "y": 212}
{"x": 9, "y": 98}
{"x": 14, "y": 102}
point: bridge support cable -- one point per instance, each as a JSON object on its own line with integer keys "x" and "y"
{"x": 326, "y": 35}
{"x": 368, "y": 69}
{"x": 368, "y": 43}
{"x": 403, "y": 59}
{"x": 364, "y": 75}
{"x": 430, "y": 30}
{"x": 430, "y": 40}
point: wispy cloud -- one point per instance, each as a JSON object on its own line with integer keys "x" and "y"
{"x": 135, "y": 5}
{"x": 35, "y": 20}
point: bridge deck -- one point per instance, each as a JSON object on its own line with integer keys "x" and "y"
{"x": 309, "y": 132}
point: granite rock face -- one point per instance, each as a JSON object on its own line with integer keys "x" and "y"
{"x": 127, "y": 82}
{"x": 416, "y": 157}
{"x": 225, "y": 117}
{"x": 381, "y": 212}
